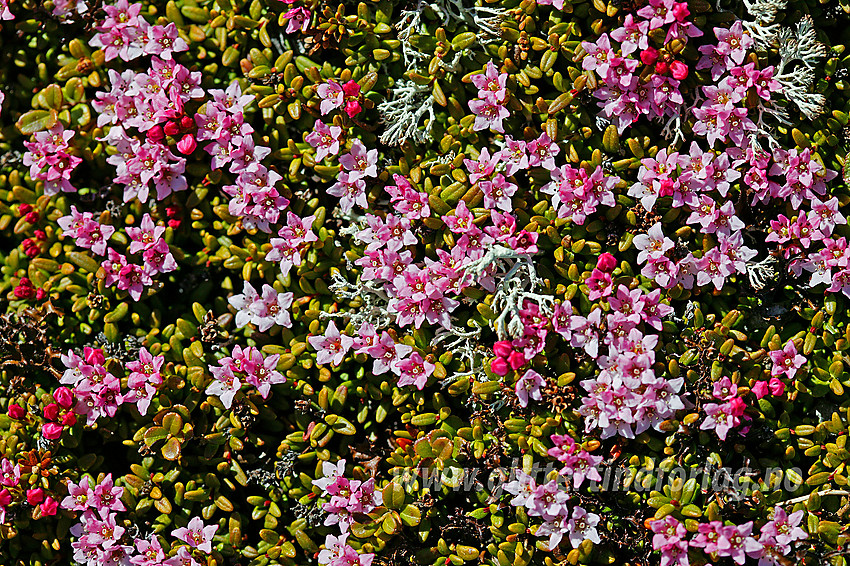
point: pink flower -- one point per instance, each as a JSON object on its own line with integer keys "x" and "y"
{"x": 325, "y": 139}
{"x": 332, "y": 347}
{"x": 196, "y": 534}
{"x": 786, "y": 361}
{"x": 298, "y": 18}
{"x": 414, "y": 371}
{"x": 528, "y": 387}
{"x": 488, "y": 115}
{"x": 491, "y": 84}
{"x": 332, "y": 96}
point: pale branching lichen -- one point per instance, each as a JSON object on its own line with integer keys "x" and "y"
{"x": 517, "y": 281}
{"x": 373, "y": 299}
{"x": 403, "y": 111}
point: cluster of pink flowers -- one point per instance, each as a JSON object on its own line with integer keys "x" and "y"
{"x": 255, "y": 199}
{"x": 98, "y": 392}
{"x": 729, "y": 541}
{"x": 295, "y": 237}
{"x": 335, "y": 96}
{"x": 50, "y": 159}
{"x": 388, "y": 355}
{"x": 626, "y": 397}
{"x": 577, "y": 194}
{"x": 624, "y": 96}
{"x": 489, "y": 108}
{"x": 357, "y": 165}
{"x": 722, "y": 417}
{"x": 714, "y": 266}
{"x": 125, "y": 34}
{"x": 549, "y": 502}
{"x": 244, "y": 366}
{"x": 87, "y": 232}
{"x": 266, "y": 310}
{"x": 153, "y": 104}
{"x": 347, "y": 497}
{"x": 12, "y": 491}
{"x": 579, "y": 464}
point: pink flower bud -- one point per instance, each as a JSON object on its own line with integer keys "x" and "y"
{"x": 35, "y": 496}
{"x": 759, "y": 389}
{"x": 49, "y": 507}
{"x": 499, "y": 366}
{"x": 171, "y": 128}
{"x": 51, "y": 431}
{"x": 606, "y": 263}
{"x": 776, "y": 386}
{"x": 503, "y": 348}
{"x": 186, "y": 123}
{"x": 51, "y": 412}
{"x": 93, "y": 356}
{"x": 679, "y": 70}
{"x": 24, "y": 290}
{"x": 737, "y": 407}
{"x": 40, "y": 294}
{"x": 16, "y": 411}
{"x": 649, "y": 55}
{"x": 352, "y": 108}
{"x": 70, "y": 419}
{"x": 661, "y": 67}
{"x": 64, "y": 397}
{"x": 351, "y": 89}
{"x": 187, "y": 144}
{"x": 516, "y": 360}
{"x": 666, "y": 188}
{"x": 156, "y": 134}
{"x": 5, "y": 498}
{"x": 680, "y": 11}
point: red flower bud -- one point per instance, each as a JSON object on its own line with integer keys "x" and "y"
{"x": 93, "y": 356}
{"x": 24, "y": 208}
{"x": 40, "y": 235}
{"x": 351, "y": 89}
{"x": 156, "y": 134}
{"x": 171, "y": 128}
{"x": 16, "y": 411}
{"x": 186, "y": 123}
{"x": 51, "y": 411}
{"x": 680, "y": 11}
{"x": 35, "y": 496}
{"x": 499, "y": 366}
{"x": 503, "y": 348}
{"x": 352, "y": 108}
{"x": 40, "y": 294}
{"x": 679, "y": 70}
{"x": 5, "y": 498}
{"x": 64, "y": 397}
{"x": 606, "y": 263}
{"x": 51, "y": 431}
{"x": 661, "y": 67}
{"x": 49, "y": 507}
{"x": 516, "y": 360}
{"x": 32, "y": 217}
{"x": 70, "y": 419}
{"x": 649, "y": 55}
{"x": 24, "y": 290}
{"x": 187, "y": 144}
{"x": 173, "y": 223}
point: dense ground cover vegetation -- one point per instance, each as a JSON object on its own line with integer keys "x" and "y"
{"x": 434, "y": 282}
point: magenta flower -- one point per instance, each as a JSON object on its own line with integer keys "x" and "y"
{"x": 488, "y": 115}
{"x": 325, "y": 139}
{"x": 332, "y": 347}
{"x": 196, "y": 534}
{"x": 787, "y": 361}
{"x": 414, "y": 371}
{"x": 528, "y": 387}
{"x": 298, "y": 18}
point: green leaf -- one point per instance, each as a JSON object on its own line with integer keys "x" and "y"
{"x": 36, "y": 121}
{"x": 410, "y": 515}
